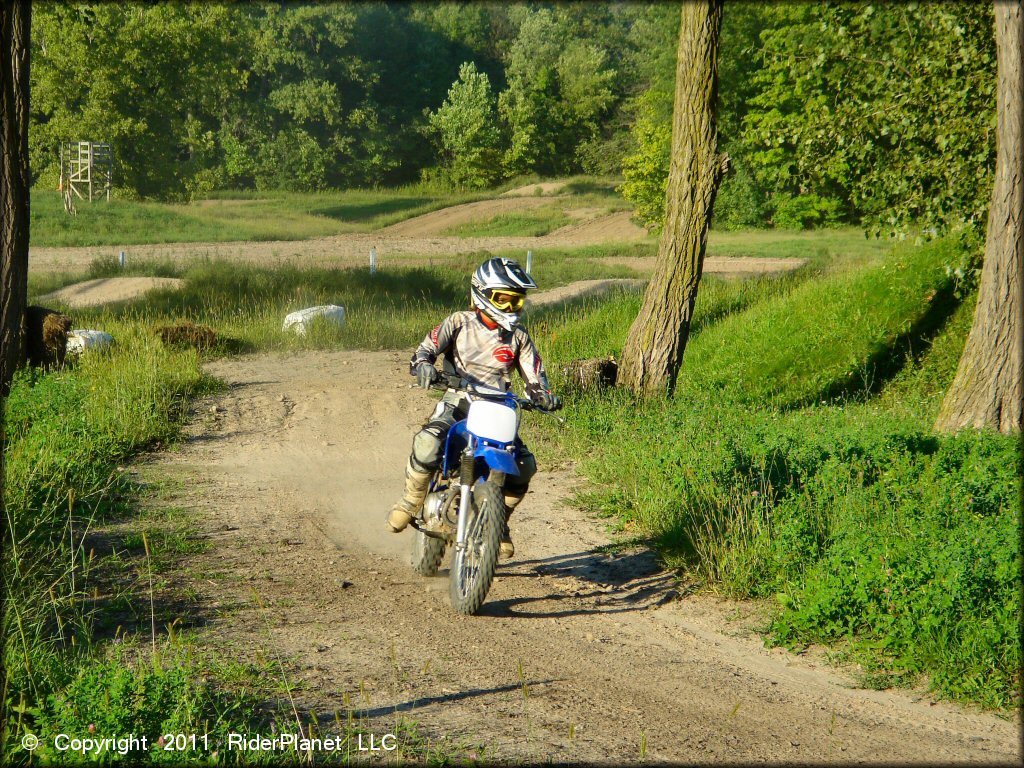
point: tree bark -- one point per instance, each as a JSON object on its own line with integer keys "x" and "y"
{"x": 14, "y": 223}
{"x": 14, "y": 181}
{"x": 987, "y": 389}
{"x": 653, "y": 352}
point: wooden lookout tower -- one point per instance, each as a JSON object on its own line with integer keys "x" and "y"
{"x": 86, "y": 168}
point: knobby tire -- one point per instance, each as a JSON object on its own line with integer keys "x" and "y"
{"x": 473, "y": 568}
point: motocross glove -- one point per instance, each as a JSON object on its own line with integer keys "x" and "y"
{"x": 426, "y": 374}
{"x": 545, "y": 399}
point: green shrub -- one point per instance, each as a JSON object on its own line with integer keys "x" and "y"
{"x": 124, "y": 695}
{"x": 805, "y": 211}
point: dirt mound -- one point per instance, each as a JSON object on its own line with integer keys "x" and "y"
{"x": 617, "y": 227}
{"x": 108, "y": 290}
{"x": 543, "y": 188}
{"x": 436, "y": 222}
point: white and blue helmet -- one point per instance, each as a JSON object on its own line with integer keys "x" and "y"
{"x": 494, "y": 278}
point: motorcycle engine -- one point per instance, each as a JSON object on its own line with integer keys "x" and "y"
{"x": 439, "y": 511}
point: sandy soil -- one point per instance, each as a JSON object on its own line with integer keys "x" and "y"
{"x": 107, "y": 290}
{"x": 716, "y": 265}
{"x": 614, "y": 228}
{"x": 579, "y": 289}
{"x": 293, "y": 470}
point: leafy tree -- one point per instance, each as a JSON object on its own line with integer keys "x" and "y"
{"x": 151, "y": 79}
{"x": 467, "y": 130}
{"x": 559, "y": 88}
{"x": 646, "y": 164}
{"x": 646, "y": 169}
{"x": 876, "y": 112}
{"x": 653, "y": 352}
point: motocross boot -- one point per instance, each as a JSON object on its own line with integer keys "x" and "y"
{"x": 405, "y": 511}
{"x": 507, "y": 548}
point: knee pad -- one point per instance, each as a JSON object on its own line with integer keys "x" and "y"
{"x": 427, "y": 446}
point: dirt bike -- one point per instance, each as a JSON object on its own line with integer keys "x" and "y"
{"x": 465, "y": 506}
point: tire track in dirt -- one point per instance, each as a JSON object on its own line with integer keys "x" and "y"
{"x": 294, "y": 469}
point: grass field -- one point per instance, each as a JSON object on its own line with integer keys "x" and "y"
{"x": 248, "y": 215}
{"x": 231, "y": 216}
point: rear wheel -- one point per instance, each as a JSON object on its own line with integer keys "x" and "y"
{"x": 427, "y": 553}
{"x": 473, "y": 564}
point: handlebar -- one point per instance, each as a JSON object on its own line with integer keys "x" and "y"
{"x": 446, "y": 381}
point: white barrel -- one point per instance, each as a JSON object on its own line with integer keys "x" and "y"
{"x": 492, "y": 421}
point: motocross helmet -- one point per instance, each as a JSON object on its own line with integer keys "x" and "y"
{"x": 498, "y": 289}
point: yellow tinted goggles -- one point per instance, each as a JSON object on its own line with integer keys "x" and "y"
{"x": 508, "y": 301}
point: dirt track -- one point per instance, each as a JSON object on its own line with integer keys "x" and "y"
{"x": 293, "y": 470}
{"x": 413, "y": 241}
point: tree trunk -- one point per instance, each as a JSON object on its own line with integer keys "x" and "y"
{"x": 653, "y": 352}
{"x": 987, "y": 390}
{"x": 14, "y": 89}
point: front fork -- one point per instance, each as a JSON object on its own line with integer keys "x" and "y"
{"x": 465, "y": 490}
{"x": 466, "y": 479}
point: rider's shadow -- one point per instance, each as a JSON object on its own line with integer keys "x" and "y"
{"x": 585, "y": 583}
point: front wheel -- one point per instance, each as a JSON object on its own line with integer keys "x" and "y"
{"x": 473, "y": 563}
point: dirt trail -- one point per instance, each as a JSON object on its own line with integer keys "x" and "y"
{"x": 293, "y": 470}
{"x": 106, "y": 290}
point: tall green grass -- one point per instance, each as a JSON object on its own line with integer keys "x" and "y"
{"x": 67, "y": 434}
{"x": 797, "y": 462}
{"x": 247, "y": 305}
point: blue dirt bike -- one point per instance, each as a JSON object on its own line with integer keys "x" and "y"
{"x": 465, "y": 505}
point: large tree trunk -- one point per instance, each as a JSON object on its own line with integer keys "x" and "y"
{"x": 653, "y": 352}
{"x": 987, "y": 390}
{"x": 14, "y": 88}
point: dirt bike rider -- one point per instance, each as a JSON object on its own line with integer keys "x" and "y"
{"x": 481, "y": 345}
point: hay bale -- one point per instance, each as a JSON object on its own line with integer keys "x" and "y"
{"x": 591, "y": 373}
{"x": 186, "y": 334}
{"x": 46, "y": 337}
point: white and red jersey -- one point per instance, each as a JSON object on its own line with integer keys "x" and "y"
{"x": 484, "y": 356}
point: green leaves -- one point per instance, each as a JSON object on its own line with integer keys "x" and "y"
{"x": 881, "y": 115}
{"x": 466, "y": 128}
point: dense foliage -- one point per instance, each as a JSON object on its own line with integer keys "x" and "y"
{"x": 839, "y": 112}
{"x": 309, "y": 96}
